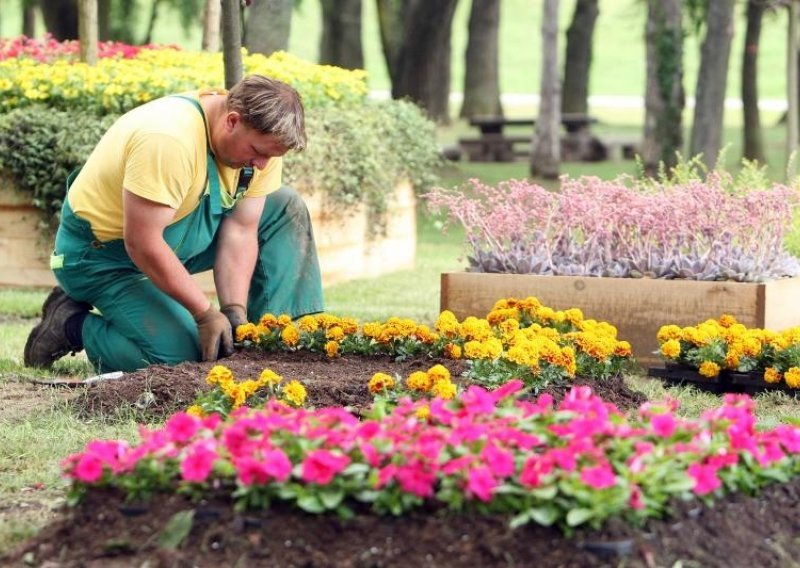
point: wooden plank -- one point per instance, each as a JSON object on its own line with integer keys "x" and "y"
{"x": 636, "y": 307}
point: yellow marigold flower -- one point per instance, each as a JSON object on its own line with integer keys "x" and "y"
{"x": 500, "y": 304}
{"x": 371, "y": 329}
{"x": 499, "y": 315}
{"x": 452, "y": 351}
{"x": 424, "y": 334}
{"x": 792, "y": 377}
{"x": 475, "y": 328}
{"x": 439, "y": 373}
{"x": 519, "y": 354}
{"x": 269, "y": 321}
{"x": 772, "y": 375}
{"x": 494, "y": 348}
{"x": 623, "y": 349}
{"x": 475, "y": 350}
{"x": 444, "y": 389}
{"x": 423, "y": 412}
{"x": 709, "y": 369}
{"x": 237, "y": 395}
{"x": 332, "y": 349}
{"x": 349, "y": 325}
{"x": 335, "y": 333}
{"x": 247, "y": 332}
{"x": 727, "y": 320}
{"x": 196, "y": 410}
{"x": 696, "y": 336}
{"x": 751, "y": 346}
{"x": 568, "y": 361}
{"x": 284, "y": 320}
{"x": 290, "y": 335}
{"x": 573, "y": 316}
{"x": 671, "y": 349}
{"x": 545, "y": 314}
{"x": 308, "y": 324}
{"x": 732, "y": 360}
{"x": 419, "y": 381}
{"x": 219, "y": 375}
{"x": 447, "y": 324}
{"x": 295, "y": 393}
{"x": 380, "y": 382}
{"x": 668, "y": 332}
{"x": 269, "y": 377}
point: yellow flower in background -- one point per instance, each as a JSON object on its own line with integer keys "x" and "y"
{"x": 290, "y": 336}
{"x": 772, "y": 375}
{"x": 447, "y": 324}
{"x": 727, "y": 320}
{"x": 268, "y": 321}
{"x": 419, "y": 381}
{"x": 284, "y": 320}
{"x": 668, "y": 332}
{"x": 709, "y": 369}
{"x": 295, "y": 393}
{"x": 247, "y": 332}
{"x": 219, "y": 375}
{"x": 475, "y": 350}
{"x": 196, "y": 410}
{"x": 424, "y": 334}
{"x": 332, "y": 349}
{"x": 671, "y": 349}
{"x": 573, "y": 316}
{"x": 452, "y": 351}
{"x": 269, "y": 377}
{"x": 439, "y": 373}
{"x": 792, "y": 377}
{"x": 308, "y": 324}
{"x": 732, "y": 360}
{"x": 380, "y": 382}
{"x": 349, "y": 325}
{"x": 444, "y": 389}
{"x": 335, "y": 333}
{"x": 423, "y": 412}
{"x": 623, "y": 349}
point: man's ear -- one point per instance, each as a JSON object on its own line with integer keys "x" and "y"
{"x": 232, "y": 119}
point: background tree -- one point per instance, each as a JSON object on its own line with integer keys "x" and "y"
{"x": 87, "y": 25}
{"x": 390, "y": 23}
{"x": 232, "y": 42}
{"x": 340, "y": 42}
{"x": 578, "y": 58}
{"x": 212, "y": 14}
{"x": 664, "y": 95}
{"x": 546, "y": 144}
{"x": 711, "y": 82}
{"x": 793, "y": 91}
{"x": 60, "y": 18}
{"x": 29, "y": 17}
{"x": 753, "y": 143}
{"x": 422, "y": 63}
{"x": 482, "y": 76}
{"x": 268, "y": 25}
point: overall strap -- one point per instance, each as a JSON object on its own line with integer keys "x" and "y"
{"x": 212, "y": 175}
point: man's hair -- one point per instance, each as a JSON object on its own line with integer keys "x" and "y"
{"x": 271, "y": 107}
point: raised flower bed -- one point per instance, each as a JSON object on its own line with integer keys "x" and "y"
{"x": 633, "y": 254}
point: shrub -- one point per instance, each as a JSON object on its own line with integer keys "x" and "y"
{"x": 708, "y": 229}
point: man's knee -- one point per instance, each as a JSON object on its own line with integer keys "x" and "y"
{"x": 286, "y": 202}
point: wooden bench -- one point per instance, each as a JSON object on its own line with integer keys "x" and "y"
{"x": 493, "y": 145}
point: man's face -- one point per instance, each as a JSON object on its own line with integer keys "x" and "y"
{"x": 241, "y": 146}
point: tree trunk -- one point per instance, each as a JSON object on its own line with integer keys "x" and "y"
{"x": 340, "y": 43}
{"x": 60, "y": 18}
{"x": 424, "y": 60}
{"x": 151, "y": 22}
{"x": 793, "y": 92}
{"x": 753, "y": 143}
{"x": 546, "y": 148}
{"x": 390, "y": 21}
{"x": 211, "y": 23}
{"x": 711, "y": 80}
{"x": 87, "y": 24}
{"x": 664, "y": 96}
{"x": 232, "y": 42}
{"x": 29, "y": 18}
{"x": 482, "y": 77}
{"x": 103, "y": 20}
{"x": 578, "y": 62}
{"x": 268, "y": 25}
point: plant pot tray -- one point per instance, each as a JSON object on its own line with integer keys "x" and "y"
{"x": 726, "y": 381}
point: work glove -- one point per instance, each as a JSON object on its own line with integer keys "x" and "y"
{"x": 236, "y": 314}
{"x": 216, "y": 338}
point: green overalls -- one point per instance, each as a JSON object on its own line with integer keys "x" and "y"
{"x": 138, "y": 324}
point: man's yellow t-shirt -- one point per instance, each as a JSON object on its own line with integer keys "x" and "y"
{"x": 156, "y": 151}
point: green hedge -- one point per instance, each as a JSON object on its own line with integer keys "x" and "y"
{"x": 355, "y": 155}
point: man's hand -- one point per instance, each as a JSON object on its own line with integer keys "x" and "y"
{"x": 216, "y": 339}
{"x": 236, "y": 314}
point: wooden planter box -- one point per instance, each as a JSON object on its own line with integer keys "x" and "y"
{"x": 636, "y": 307}
{"x": 346, "y": 249}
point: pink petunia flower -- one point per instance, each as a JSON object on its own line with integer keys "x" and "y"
{"x": 198, "y": 463}
{"x": 705, "y": 478}
{"x": 181, "y": 427}
{"x": 88, "y": 469}
{"x": 664, "y": 425}
{"x": 320, "y": 466}
{"x": 481, "y": 483}
{"x": 599, "y": 476}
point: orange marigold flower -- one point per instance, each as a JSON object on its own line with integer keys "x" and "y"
{"x": 332, "y": 349}
{"x": 727, "y": 320}
{"x": 709, "y": 369}
{"x": 439, "y": 373}
{"x": 623, "y": 349}
{"x": 284, "y": 320}
{"x": 308, "y": 324}
{"x": 671, "y": 349}
{"x": 380, "y": 382}
{"x": 335, "y": 333}
{"x": 290, "y": 335}
{"x": 247, "y": 332}
{"x": 452, "y": 351}
{"x": 668, "y": 332}
{"x": 792, "y": 377}
{"x": 772, "y": 375}
{"x": 444, "y": 389}
{"x": 269, "y": 321}
{"x": 419, "y": 381}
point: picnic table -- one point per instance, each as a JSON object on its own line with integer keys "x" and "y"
{"x": 495, "y": 145}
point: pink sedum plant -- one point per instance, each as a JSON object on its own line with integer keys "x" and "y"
{"x": 576, "y": 463}
{"x": 700, "y": 230}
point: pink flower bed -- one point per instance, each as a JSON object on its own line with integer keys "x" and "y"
{"x": 580, "y": 462}
{"x": 49, "y": 49}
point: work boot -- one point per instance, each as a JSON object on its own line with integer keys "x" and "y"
{"x": 48, "y": 340}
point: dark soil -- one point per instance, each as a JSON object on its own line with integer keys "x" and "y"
{"x": 157, "y": 391}
{"x": 103, "y": 531}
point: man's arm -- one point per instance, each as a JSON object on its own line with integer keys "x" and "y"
{"x": 237, "y": 251}
{"x": 143, "y": 232}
